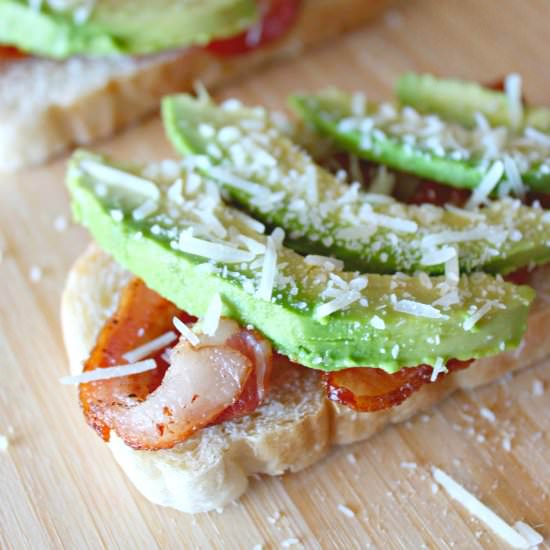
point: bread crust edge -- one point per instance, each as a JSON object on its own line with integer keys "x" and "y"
{"x": 212, "y": 469}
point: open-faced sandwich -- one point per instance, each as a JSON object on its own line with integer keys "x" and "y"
{"x": 72, "y": 71}
{"x": 255, "y": 303}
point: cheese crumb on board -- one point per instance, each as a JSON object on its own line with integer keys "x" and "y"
{"x": 350, "y": 457}
{"x": 346, "y": 510}
{"x": 488, "y": 414}
{"x": 60, "y": 223}
{"x": 274, "y": 518}
{"x": 533, "y": 538}
{"x": 497, "y": 525}
{"x": 538, "y": 388}
{"x": 4, "y": 443}
{"x": 35, "y": 274}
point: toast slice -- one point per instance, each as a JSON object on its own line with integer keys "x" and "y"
{"x": 294, "y": 428}
{"x": 48, "y": 106}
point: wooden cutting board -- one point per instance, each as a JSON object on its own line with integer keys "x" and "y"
{"x": 59, "y": 486}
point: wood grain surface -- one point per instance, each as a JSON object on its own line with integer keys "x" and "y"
{"x": 60, "y": 487}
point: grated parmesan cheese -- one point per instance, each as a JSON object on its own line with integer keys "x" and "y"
{"x": 488, "y": 414}
{"x": 108, "y": 175}
{"x": 213, "y": 251}
{"x": 232, "y": 180}
{"x": 487, "y": 184}
{"x": 532, "y": 537}
{"x": 471, "y": 321}
{"x": 344, "y": 299}
{"x": 35, "y": 274}
{"x": 480, "y": 511}
{"x": 438, "y": 368}
{"x": 249, "y": 222}
{"x": 145, "y": 210}
{"x": 328, "y": 263}
{"x": 346, "y": 510}
{"x": 185, "y": 331}
{"x": 269, "y": 271}
{"x": 378, "y": 323}
{"x": 211, "y": 320}
{"x": 418, "y": 309}
{"x": 395, "y": 351}
{"x": 436, "y": 256}
{"x": 539, "y": 137}
{"x": 537, "y": 388}
{"x": 512, "y": 88}
{"x": 110, "y": 372}
{"x": 513, "y": 175}
{"x": 150, "y": 347}
{"x": 60, "y": 223}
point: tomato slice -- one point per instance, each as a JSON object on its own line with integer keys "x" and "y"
{"x": 10, "y": 53}
{"x": 277, "y": 18}
{"x": 370, "y": 389}
{"x": 431, "y": 192}
{"x": 141, "y": 316}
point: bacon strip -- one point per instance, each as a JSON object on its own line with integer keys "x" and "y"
{"x": 371, "y": 389}
{"x": 225, "y": 376}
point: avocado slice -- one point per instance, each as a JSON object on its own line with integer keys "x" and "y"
{"x": 169, "y": 226}
{"x": 369, "y": 232}
{"x": 424, "y": 145}
{"x": 459, "y": 101}
{"x": 109, "y": 27}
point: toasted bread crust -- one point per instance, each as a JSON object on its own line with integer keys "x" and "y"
{"x": 295, "y": 427}
{"x": 115, "y": 93}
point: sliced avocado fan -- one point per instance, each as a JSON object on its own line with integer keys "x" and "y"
{"x": 462, "y": 101}
{"x": 108, "y": 27}
{"x": 169, "y": 226}
{"x": 425, "y": 145}
{"x": 264, "y": 172}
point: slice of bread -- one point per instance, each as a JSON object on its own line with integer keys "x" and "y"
{"x": 295, "y": 427}
{"x": 48, "y": 106}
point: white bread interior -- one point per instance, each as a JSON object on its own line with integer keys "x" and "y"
{"x": 295, "y": 427}
{"x": 48, "y": 106}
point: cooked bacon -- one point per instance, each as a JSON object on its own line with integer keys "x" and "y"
{"x": 371, "y": 389}
{"x": 224, "y": 376}
{"x": 259, "y": 352}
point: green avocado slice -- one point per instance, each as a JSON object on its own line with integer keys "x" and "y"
{"x": 169, "y": 226}
{"x": 278, "y": 183}
{"x": 111, "y": 27}
{"x": 424, "y": 145}
{"x": 459, "y": 101}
